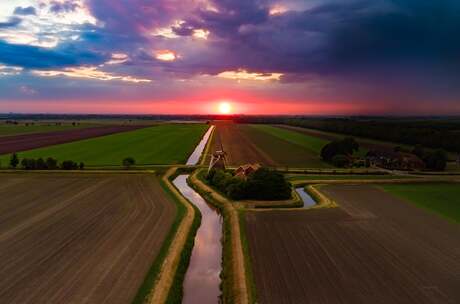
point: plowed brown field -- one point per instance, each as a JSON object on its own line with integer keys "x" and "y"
{"x": 246, "y": 144}
{"x": 374, "y": 248}
{"x": 17, "y": 143}
{"x": 79, "y": 239}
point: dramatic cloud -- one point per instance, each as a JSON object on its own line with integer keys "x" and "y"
{"x": 374, "y": 51}
{"x": 30, "y": 10}
{"x": 12, "y": 22}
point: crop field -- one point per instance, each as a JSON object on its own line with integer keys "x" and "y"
{"x": 17, "y": 143}
{"x": 374, "y": 248}
{"x": 251, "y": 144}
{"x": 22, "y": 128}
{"x": 162, "y": 144}
{"x": 443, "y": 199}
{"x": 79, "y": 239}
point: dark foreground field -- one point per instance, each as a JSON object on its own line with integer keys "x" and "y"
{"x": 249, "y": 144}
{"x": 17, "y": 143}
{"x": 85, "y": 239}
{"x": 375, "y": 248}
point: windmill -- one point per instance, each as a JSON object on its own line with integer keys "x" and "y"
{"x": 218, "y": 159}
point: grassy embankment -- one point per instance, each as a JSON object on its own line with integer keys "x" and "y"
{"x": 163, "y": 144}
{"x": 443, "y": 199}
{"x": 175, "y": 293}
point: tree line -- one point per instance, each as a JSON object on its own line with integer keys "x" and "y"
{"x": 43, "y": 164}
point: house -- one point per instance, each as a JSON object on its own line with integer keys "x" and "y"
{"x": 395, "y": 160}
{"x": 244, "y": 170}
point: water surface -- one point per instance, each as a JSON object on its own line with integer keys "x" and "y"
{"x": 195, "y": 157}
{"x": 201, "y": 283}
{"x": 308, "y": 201}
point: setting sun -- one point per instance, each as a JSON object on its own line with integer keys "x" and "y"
{"x": 225, "y": 108}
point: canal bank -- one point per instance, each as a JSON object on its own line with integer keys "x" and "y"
{"x": 202, "y": 278}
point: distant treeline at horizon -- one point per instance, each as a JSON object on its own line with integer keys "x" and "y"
{"x": 436, "y": 133}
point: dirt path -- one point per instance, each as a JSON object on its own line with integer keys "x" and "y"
{"x": 171, "y": 262}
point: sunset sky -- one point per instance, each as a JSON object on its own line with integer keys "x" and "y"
{"x": 255, "y": 56}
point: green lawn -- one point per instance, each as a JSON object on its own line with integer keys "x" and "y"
{"x": 443, "y": 199}
{"x": 163, "y": 144}
{"x": 8, "y": 129}
{"x": 344, "y": 177}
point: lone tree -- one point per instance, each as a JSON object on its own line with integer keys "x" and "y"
{"x": 14, "y": 160}
{"x": 128, "y": 162}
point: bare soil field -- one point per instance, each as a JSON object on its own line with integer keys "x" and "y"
{"x": 17, "y": 143}
{"x": 374, "y": 248}
{"x": 246, "y": 144}
{"x": 79, "y": 239}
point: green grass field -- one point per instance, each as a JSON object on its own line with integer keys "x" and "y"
{"x": 443, "y": 199}
{"x": 163, "y": 144}
{"x": 343, "y": 177}
{"x": 9, "y": 129}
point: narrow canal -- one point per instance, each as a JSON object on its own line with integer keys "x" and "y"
{"x": 201, "y": 284}
{"x": 308, "y": 201}
{"x": 195, "y": 156}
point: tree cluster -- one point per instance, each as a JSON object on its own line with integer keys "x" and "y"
{"x": 44, "y": 164}
{"x": 337, "y": 152}
{"x": 263, "y": 184}
{"x": 434, "y": 160}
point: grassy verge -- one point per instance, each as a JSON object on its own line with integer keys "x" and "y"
{"x": 250, "y": 282}
{"x": 152, "y": 274}
{"x": 443, "y": 199}
{"x": 176, "y": 291}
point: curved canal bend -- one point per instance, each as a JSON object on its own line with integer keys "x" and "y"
{"x": 202, "y": 280}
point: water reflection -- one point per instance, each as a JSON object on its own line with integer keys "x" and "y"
{"x": 308, "y": 201}
{"x": 201, "y": 284}
{"x": 195, "y": 157}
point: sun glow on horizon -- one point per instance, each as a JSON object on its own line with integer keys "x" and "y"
{"x": 225, "y": 108}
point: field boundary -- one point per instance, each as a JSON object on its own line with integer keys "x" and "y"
{"x": 167, "y": 276}
{"x": 234, "y": 284}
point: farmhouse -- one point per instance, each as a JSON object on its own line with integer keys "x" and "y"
{"x": 395, "y": 160}
{"x": 244, "y": 170}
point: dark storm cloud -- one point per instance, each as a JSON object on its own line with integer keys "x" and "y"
{"x": 335, "y": 37}
{"x": 32, "y": 57}
{"x": 24, "y": 11}
{"x": 12, "y": 22}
